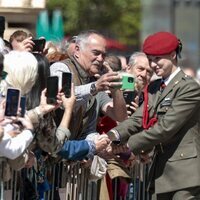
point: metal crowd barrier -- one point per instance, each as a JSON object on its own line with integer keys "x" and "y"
{"x": 71, "y": 183}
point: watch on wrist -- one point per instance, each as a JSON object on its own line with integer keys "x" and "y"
{"x": 93, "y": 89}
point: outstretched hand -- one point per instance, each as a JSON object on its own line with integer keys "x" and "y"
{"x": 109, "y": 81}
{"x": 44, "y": 106}
{"x": 68, "y": 103}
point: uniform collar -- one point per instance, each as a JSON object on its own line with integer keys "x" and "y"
{"x": 169, "y": 78}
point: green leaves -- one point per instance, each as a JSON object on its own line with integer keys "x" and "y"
{"x": 119, "y": 19}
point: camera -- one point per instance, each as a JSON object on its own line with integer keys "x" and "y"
{"x": 130, "y": 79}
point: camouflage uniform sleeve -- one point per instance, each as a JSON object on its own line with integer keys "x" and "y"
{"x": 34, "y": 117}
{"x": 63, "y": 133}
{"x": 51, "y": 138}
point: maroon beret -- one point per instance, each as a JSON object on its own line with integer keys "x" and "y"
{"x": 160, "y": 43}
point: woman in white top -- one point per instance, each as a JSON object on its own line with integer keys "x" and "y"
{"x": 21, "y": 69}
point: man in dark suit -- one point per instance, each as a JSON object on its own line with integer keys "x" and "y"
{"x": 168, "y": 123}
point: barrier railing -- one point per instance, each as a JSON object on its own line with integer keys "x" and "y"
{"x": 70, "y": 182}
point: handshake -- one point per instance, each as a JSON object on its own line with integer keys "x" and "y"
{"x": 107, "y": 146}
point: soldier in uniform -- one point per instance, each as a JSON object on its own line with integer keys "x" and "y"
{"x": 168, "y": 122}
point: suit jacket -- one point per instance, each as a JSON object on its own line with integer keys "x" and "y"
{"x": 175, "y": 136}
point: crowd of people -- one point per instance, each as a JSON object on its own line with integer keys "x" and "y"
{"x": 95, "y": 124}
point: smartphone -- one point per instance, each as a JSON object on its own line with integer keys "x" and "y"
{"x": 39, "y": 44}
{"x": 52, "y": 89}
{"x": 129, "y": 96}
{"x": 12, "y": 101}
{"x": 66, "y": 83}
{"x": 23, "y": 105}
{"x": 127, "y": 82}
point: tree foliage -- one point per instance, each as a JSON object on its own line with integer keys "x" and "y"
{"x": 119, "y": 19}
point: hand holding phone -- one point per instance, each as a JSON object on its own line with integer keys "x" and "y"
{"x": 131, "y": 100}
{"x": 25, "y": 122}
{"x": 52, "y": 89}
{"x": 129, "y": 96}
{"x": 39, "y": 44}
{"x": 12, "y": 102}
{"x": 128, "y": 82}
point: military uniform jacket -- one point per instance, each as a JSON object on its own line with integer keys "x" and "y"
{"x": 175, "y": 137}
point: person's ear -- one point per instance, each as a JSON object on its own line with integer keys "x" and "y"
{"x": 128, "y": 69}
{"x": 76, "y": 51}
{"x": 173, "y": 55}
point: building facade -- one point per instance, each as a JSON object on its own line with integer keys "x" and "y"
{"x": 21, "y": 14}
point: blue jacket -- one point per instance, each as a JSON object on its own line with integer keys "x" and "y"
{"x": 74, "y": 150}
